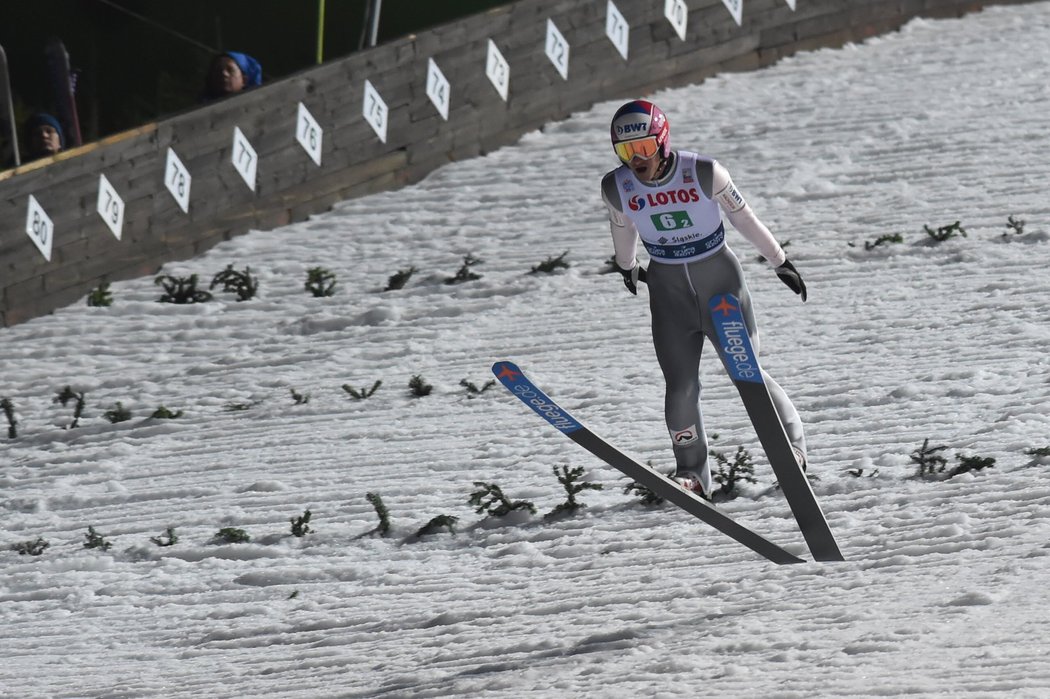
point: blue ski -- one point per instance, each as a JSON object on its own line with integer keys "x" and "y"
{"x": 741, "y": 362}
{"x": 517, "y": 383}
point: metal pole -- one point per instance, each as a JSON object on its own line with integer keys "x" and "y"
{"x": 373, "y": 29}
{"x": 320, "y": 32}
{"x": 7, "y": 116}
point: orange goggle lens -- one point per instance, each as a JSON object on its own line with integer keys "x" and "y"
{"x": 642, "y": 147}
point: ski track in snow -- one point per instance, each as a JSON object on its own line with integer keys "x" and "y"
{"x": 945, "y": 590}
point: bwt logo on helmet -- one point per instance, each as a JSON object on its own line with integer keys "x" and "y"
{"x": 635, "y": 125}
{"x": 637, "y": 203}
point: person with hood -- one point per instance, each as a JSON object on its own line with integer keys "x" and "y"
{"x": 673, "y": 201}
{"x": 44, "y": 136}
{"x": 231, "y": 72}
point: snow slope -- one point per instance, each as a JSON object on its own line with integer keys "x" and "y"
{"x": 946, "y": 589}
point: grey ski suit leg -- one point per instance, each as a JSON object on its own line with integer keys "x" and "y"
{"x": 681, "y": 317}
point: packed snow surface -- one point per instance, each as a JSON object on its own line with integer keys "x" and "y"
{"x": 946, "y": 586}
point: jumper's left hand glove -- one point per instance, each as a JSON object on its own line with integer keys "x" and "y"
{"x": 632, "y": 276}
{"x": 790, "y": 276}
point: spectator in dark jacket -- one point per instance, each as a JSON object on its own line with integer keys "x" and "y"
{"x": 44, "y": 136}
{"x": 231, "y": 72}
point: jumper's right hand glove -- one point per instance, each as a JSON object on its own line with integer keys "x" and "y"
{"x": 790, "y": 276}
{"x": 631, "y": 277}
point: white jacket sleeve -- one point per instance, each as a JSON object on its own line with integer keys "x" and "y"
{"x": 624, "y": 235}
{"x": 743, "y": 218}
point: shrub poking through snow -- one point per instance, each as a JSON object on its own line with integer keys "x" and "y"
{"x": 551, "y": 264}
{"x": 9, "y": 412}
{"x": 300, "y": 398}
{"x": 473, "y": 390}
{"x": 362, "y": 393}
{"x": 238, "y": 406}
{"x": 435, "y": 525}
{"x": 1040, "y": 456}
{"x": 419, "y": 387}
{"x": 399, "y": 279}
{"x": 117, "y": 413}
{"x": 945, "y": 232}
{"x": 647, "y": 496}
{"x": 64, "y": 396}
{"x": 465, "y": 273}
{"x": 384, "y": 515}
{"x": 168, "y": 538}
{"x": 162, "y": 413}
{"x": 489, "y": 499}
{"x": 320, "y": 282}
{"x": 570, "y": 480}
{"x": 969, "y": 464}
{"x": 100, "y": 296}
{"x": 1014, "y": 225}
{"x": 31, "y": 548}
{"x": 231, "y": 535}
{"x": 883, "y": 240}
{"x": 301, "y": 525}
{"x": 928, "y": 459}
{"x": 729, "y": 474}
{"x": 94, "y": 540}
{"x": 181, "y": 290}
{"x": 241, "y": 283}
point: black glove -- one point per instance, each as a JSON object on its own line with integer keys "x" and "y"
{"x": 790, "y": 276}
{"x": 631, "y": 277}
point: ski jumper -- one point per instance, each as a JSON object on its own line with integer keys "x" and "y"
{"x": 679, "y": 221}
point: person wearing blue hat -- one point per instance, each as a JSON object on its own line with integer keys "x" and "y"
{"x": 44, "y": 136}
{"x": 232, "y": 72}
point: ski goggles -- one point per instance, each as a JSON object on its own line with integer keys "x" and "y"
{"x": 640, "y": 147}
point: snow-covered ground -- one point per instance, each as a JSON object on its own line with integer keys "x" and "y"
{"x": 946, "y": 587}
